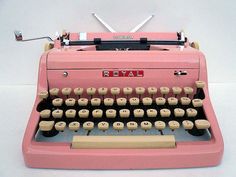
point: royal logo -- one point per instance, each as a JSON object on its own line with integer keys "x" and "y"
{"x": 123, "y": 73}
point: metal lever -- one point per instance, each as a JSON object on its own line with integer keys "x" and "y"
{"x": 19, "y": 37}
{"x": 104, "y": 23}
{"x": 136, "y": 28}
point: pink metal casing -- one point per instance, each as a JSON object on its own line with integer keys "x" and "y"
{"x": 85, "y": 70}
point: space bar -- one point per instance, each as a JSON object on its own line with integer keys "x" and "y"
{"x": 125, "y": 142}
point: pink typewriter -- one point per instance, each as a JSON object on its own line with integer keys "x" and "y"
{"x": 112, "y": 100}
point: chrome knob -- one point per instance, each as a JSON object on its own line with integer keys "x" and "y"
{"x": 65, "y": 74}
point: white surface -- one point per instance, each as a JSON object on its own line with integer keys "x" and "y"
{"x": 17, "y": 102}
{"x": 211, "y": 22}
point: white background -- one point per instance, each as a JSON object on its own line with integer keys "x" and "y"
{"x": 212, "y": 23}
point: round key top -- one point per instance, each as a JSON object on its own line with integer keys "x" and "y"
{"x": 151, "y": 112}
{"x": 121, "y": 101}
{"x": 83, "y": 113}
{"x": 70, "y": 113}
{"x": 202, "y": 124}
{"x": 95, "y": 101}
{"x": 91, "y": 91}
{"x": 197, "y": 103}
{"x": 147, "y": 101}
{"x": 66, "y": 91}
{"x": 118, "y": 125}
{"x": 97, "y": 113}
{"x": 58, "y": 113}
{"x": 134, "y": 101}
{"x": 102, "y": 91}
{"x": 70, "y": 102}
{"x": 103, "y": 126}
{"x": 45, "y": 113}
{"x": 111, "y": 113}
{"x": 43, "y": 94}
{"x": 78, "y": 91}
{"x": 54, "y": 91}
{"x": 172, "y": 101}
{"x": 132, "y": 125}
{"x": 88, "y": 125}
{"x": 173, "y": 125}
{"x": 188, "y": 90}
{"x": 74, "y": 126}
{"x": 178, "y": 112}
{"x": 185, "y": 101}
{"x": 164, "y": 90}
{"x": 200, "y": 84}
{"x": 187, "y": 124}
{"x": 127, "y": 90}
{"x": 115, "y": 91}
{"x": 46, "y": 125}
{"x": 152, "y": 90}
{"x": 83, "y": 102}
{"x": 160, "y": 125}
{"x": 139, "y": 90}
{"x": 108, "y": 101}
{"x": 160, "y": 101}
{"x": 176, "y": 90}
{"x": 191, "y": 112}
{"x": 60, "y": 126}
{"x": 57, "y": 102}
{"x": 146, "y": 125}
{"x": 165, "y": 112}
{"x": 138, "y": 112}
{"x": 124, "y": 113}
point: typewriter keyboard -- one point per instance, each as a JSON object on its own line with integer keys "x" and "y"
{"x": 120, "y": 113}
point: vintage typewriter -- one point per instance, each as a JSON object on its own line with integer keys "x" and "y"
{"x": 122, "y": 101}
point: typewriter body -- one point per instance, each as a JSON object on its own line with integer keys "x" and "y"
{"x": 122, "y": 101}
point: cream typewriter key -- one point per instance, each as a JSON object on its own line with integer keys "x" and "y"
{"x": 146, "y": 125}
{"x": 176, "y": 91}
{"x": 108, "y": 101}
{"x": 54, "y": 91}
{"x": 118, "y": 126}
{"x": 147, "y": 101}
{"x": 83, "y": 113}
{"x": 160, "y": 101}
{"x": 165, "y": 112}
{"x": 191, "y": 112}
{"x": 78, "y": 91}
{"x": 197, "y": 103}
{"x": 88, "y": 125}
{"x": 103, "y": 126}
{"x": 185, "y": 101}
{"x": 111, "y": 113}
{"x": 115, "y": 91}
{"x": 134, "y": 101}
{"x": 58, "y": 113}
{"x": 46, "y": 125}
{"x": 152, "y": 91}
{"x": 200, "y": 84}
{"x": 66, "y": 91}
{"x": 187, "y": 124}
{"x": 124, "y": 113}
{"x": 70, "y": 102}
{"x": 70, "y": 113}
{"x": 151, "y": 112}
{"x": 102, "y": 91}
{"x": 138, "y": 112}
{"x": 172, "y": 101}
{"x": 83, "y": 102}
{"x": 202, "y": 124}
{"x": 140, "y": 91}
{"x": 127, "y": 91}
{"x": 160, "y": 125}
{"x": 188, "y": 91}
{"x": 43, "y": 95}
{"x": 60, "y": 126}
{"x": 91, "y": 91}
{"x": 178, "y": 112}
{"x": 121, "y": 101}
{"x": 95, "y": 101}
{"x": 45, "y": 113}
{"x": 132, "y": 125}
{"x": 173, "y": 125}
{"x": 164, "y": 91}
{"x": 97, "y": 113}
{"x": 57, "y": 102}
{"x": 74, "y": 126}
